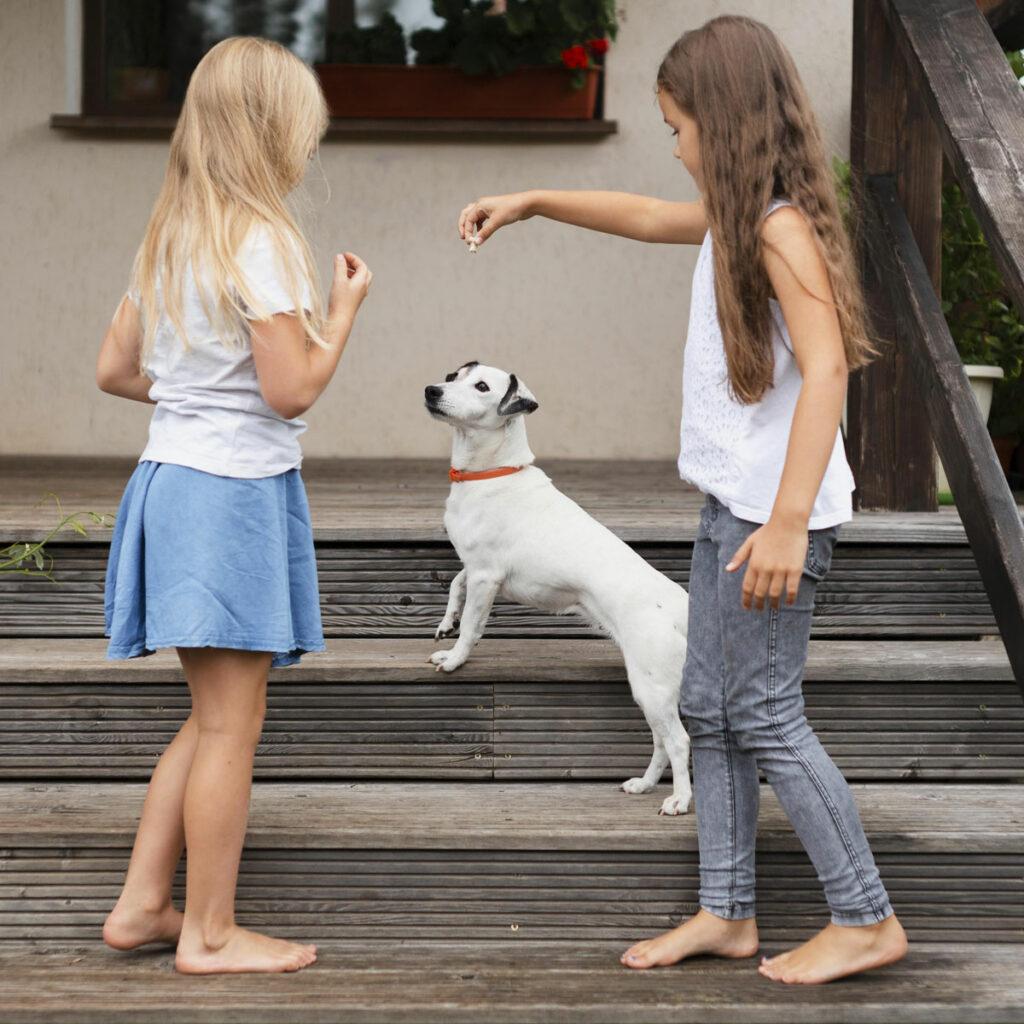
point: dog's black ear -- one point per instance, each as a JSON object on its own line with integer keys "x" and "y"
{"x": 517, "y": 399}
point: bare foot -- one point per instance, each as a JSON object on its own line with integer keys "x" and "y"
{"x": 129, "y": 925}
{"x": 837, "y": 951}
{"x": 241, "y": 952}
{"x": 704, "y": 933}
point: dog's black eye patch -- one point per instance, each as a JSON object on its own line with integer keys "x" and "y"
{"x": 481, "y": 386}
{"x": 449, "y": 377}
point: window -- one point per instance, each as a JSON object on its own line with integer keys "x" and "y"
{"x": 138, "y": 55}
{"x": 380, "y": 62}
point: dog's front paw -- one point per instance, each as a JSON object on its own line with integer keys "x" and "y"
{"x": 446, "y": 661}
{"x": 676, "y": 804}
{"x": 635, "y": 786}
{"x": 446, "y": 628}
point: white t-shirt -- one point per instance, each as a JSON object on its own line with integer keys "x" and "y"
{"x": 737, "y": 452}
{"x": 210, "y": 413}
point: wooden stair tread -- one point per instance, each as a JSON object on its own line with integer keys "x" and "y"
{"x": 367, "y": 981}
{"x": 403, "y": 499}
{"x": 510, "y": 816}
{"x": 41, "y": 660}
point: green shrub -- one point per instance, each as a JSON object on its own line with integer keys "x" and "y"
{"x": 985, "y": 325}
{"x": 383, "y": 43}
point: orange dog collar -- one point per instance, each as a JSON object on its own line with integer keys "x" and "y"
{"x": 461, "y": 476}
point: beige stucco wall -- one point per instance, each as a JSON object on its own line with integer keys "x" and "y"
{"x": 594, "y": 324}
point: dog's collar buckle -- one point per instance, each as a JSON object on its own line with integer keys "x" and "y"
{"x": 461, "y": 476}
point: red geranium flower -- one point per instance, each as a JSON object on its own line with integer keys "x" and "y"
{"x": 575, "y": 57}
{"x": 598, "y": 45}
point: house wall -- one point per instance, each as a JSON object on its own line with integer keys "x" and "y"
{"x": 594, "y": 324}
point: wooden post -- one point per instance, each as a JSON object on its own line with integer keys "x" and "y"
{"x": 888, "y": 438}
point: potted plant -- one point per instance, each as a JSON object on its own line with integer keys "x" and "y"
{"x": 489, "y": 59}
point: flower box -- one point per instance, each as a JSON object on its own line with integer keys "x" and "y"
{"x": 428, "y": 91}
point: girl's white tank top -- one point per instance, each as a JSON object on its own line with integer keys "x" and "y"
{"x": 733, "y": 451}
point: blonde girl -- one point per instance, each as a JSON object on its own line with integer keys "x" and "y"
{"x": 776, "y": 323}
{"x": 223, "y": 330}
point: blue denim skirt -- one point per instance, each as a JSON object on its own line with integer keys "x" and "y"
{"x": 199, "y": 560}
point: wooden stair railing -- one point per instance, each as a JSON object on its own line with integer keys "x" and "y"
{"x": 977, "y": 105}
{"x": 988, "y": 510}
{"x": 940, "y": 80}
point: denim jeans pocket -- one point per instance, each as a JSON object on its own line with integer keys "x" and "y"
{"x": 820, "y": 545}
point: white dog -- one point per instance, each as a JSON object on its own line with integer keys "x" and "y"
{"x": 517, "y": 535}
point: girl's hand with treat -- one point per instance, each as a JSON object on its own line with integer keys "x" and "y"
{"x": 480, "y": 219}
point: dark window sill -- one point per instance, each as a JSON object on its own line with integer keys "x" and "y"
{"x": 159, "y": 126}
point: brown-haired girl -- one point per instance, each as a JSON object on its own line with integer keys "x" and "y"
{"x": 776, "y": 323}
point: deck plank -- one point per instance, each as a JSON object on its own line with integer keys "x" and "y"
{"x": 40, "y": 660}
{"x": 403, "y": 500}
{"x": 509, "y": 816}
{"x": 519, "y": 710}
{"x": 573, "y": 863}
{"x": 405, "y": 982}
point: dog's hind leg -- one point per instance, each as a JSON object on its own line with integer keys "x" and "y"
{"x": 480, "y": 594}
{"x": 650, "y": 778}
{"x": 453, "y": 613}
{"x": 677, "y": 747}
{"x": 659, "y": 703}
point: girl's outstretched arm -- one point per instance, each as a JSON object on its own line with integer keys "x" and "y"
{"x": 293, "y": 371}
{"x": 117, "y": 368}
{"x": 616, "y": 213}
{"x": 776, "y": 552}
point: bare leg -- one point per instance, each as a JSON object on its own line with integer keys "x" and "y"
{"x": 229, "y": 697}
{"x": 143, "y": 912}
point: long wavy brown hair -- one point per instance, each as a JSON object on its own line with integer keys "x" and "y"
{"x": 759, "y": 139}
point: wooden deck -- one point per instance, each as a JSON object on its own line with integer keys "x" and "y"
{"x": 403, "y": 500}
{"x": 457, "y": 845}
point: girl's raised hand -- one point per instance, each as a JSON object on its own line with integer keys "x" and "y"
{"x": 351, "y": 282}
{"x": 480, "y": 219}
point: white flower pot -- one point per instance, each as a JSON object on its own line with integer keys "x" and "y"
{"x": 982, "y": 380}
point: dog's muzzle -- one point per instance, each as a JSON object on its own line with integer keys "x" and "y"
{"x": 432, "y": 396}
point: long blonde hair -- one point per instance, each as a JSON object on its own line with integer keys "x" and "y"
{"x": 252, "y": 116}
{"x": 759, "y": 138}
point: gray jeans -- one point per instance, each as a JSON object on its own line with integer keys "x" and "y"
{"x": 744, "y": 710}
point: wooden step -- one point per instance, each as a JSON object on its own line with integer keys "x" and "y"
{"x": 519, "y": 709}
{"x": 371, "y": 982}
{"x": 374, "y": 588}
{"x": 569, "y": 862}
